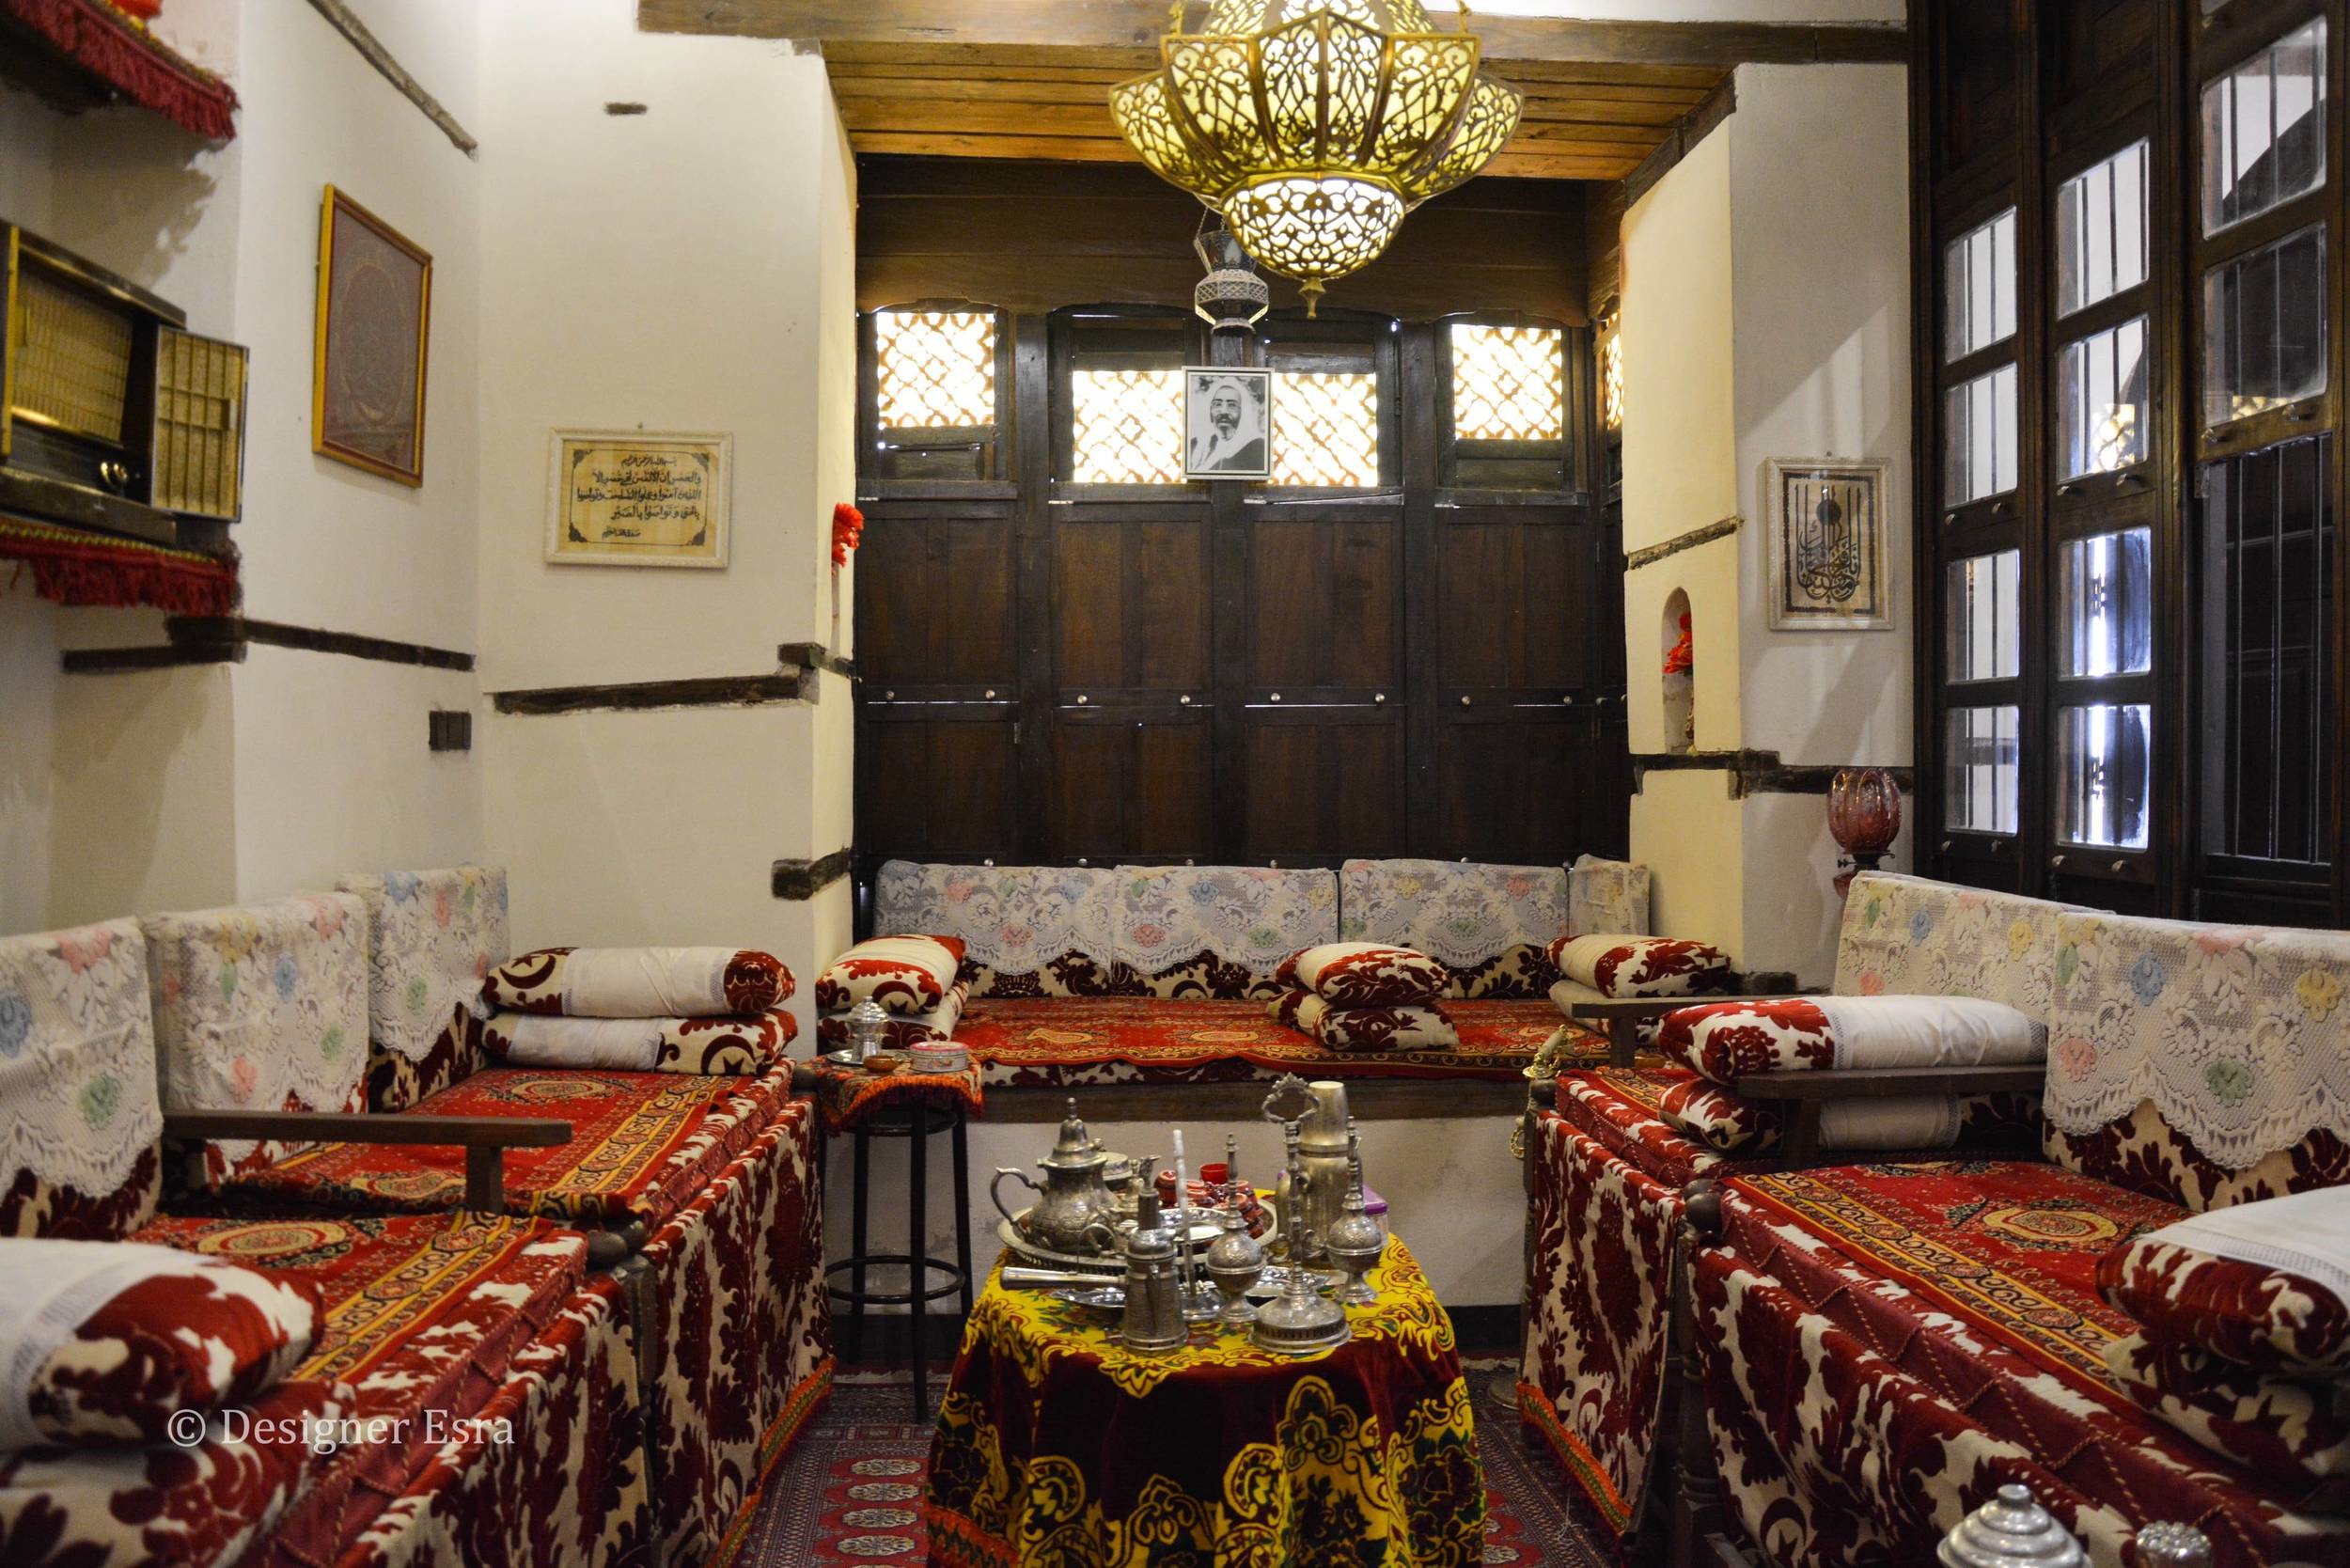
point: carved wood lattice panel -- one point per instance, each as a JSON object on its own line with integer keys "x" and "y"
{"x": 935, "y": 368}
{"x": 1126, "y": 426}
{"x": 1509, "y": 384}
{"x": 1326, "y": 428}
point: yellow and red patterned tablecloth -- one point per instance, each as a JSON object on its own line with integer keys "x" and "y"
{"x": 847, "y": 1096}
{"x": 1055, "y": 1446}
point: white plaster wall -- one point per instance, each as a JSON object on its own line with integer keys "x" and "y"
{"x": 1820, "y": 256}
{"x": 28, "y": 720}
{"x": 144, "y": 770}
{"x": 27, "y": 142}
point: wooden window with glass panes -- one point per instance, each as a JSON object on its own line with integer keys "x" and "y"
{"x": 2128, "y": 637}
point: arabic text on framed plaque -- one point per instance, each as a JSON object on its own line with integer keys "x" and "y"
{"x": 629, "y": 499}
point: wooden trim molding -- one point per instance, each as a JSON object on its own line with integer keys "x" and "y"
{"x": 1753, "y": 772}
{"x": 1649, "y": 554}
{"x": 815, "y": 655}
{"x": 802, "y": 880}
{"x": 372, "y": 50}
{"x": 712, "y": 691}
{"x": 1693, "y": 127}
{"x": 214, "y": 639}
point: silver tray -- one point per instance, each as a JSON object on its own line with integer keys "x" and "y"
{"x": 1107, "y": 1264}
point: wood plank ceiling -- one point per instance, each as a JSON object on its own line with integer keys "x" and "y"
{"x": 1030, "y": 79}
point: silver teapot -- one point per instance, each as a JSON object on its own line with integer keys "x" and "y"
{"x": 1072, "y": 1198}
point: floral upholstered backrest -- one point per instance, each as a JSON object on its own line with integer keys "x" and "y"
{"x": 1219, "y": 930}
{"x": 1489, "y": 925}
{"x": 1907, "y": 936}
{"x": 2206, "y": 1064}
{"x": 1606, "y": 898}
{"x": 262, "y": 1008}
{"x": 432, "y": 938}
{"x": 80, "y": 1125}
{"x": 1027, "y": 931}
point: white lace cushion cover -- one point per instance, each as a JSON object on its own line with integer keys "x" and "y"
{"x": 1607, "y": 896}
{"x": 1628, "y": 966}
{"x": 433, "y": 937}
{"x": 2240, "y": 1037}
{"x": 1907, "y": 936}
{"x": 262, "y": 1007}
{"x": 105, "y": 1341}
{"x": 1364, "y": 974}
{"x": 1249, "y": 916}
{"x": 1015, "y": 919}
{"x": 2264, "y": 1284}
{"x": 905, "y": 974}
{"x": 78, "y": 1103}
{"x": 1466, "y": 915}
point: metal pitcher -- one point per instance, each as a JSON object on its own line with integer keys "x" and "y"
{"x": 1072, "y": 1198}
{"x": 1154, "y": 1304}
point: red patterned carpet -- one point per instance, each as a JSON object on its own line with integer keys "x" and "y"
{"x": 851, "y": 1493}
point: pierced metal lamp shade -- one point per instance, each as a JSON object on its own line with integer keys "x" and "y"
{"x": 1314, "y": 125}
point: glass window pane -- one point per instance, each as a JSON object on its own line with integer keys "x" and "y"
{"x": 2106, "y": 604}
{"x": 1978, "y": 287}
{"x": 934, "y": 369}
{"x": 1979, "y": 769}
{"x": 2103, "y": 771}
{"x": 2264, "y": 328}
{"x": 1326, "y": 428}
{"x": 2101, "y": 231}
{"x": 1509, "y": 384}
{"x": 2101, "y": 388}
{"x": 1985, "y": 641}
{"x": 1979, "y": 437}
{"x": 2265, "y": 129}
{"x": 1126, "y": 426}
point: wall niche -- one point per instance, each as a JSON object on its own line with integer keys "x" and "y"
{"x": 1677, "y": 637}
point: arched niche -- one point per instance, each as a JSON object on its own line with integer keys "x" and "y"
{"x": 1677, "y": 648}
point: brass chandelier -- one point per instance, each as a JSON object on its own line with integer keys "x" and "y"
{"x": 1314, "y": 125}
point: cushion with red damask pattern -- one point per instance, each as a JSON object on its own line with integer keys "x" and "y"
{"x": 1363, "y": 1028}
{"x": 2263, "y": 1285}
{"x": 905, "y": 974}
{"x": 1641, "y": 965}
{"x": 1732, "y": 1124}
{"x": 1729, "y": 1041}
{"x": 105, "y": 1343}
{"x": 2294, "y": 1435}
{"x": 902, "y": 1032}
{"x": 1364, "y": 974}
{"x": 639, "y": 982}
{"x": 721, "y": 1045}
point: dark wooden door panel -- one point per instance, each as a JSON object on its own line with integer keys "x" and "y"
{"x": 1131, "y": 604}
{"x": 1089, "y": 606}
{"x": 1325, "y": 602}
{"x": 1324, "y": 787}
{"x": 1520, "y": 604}
{"x": 930, "y": 788}
{"x": 1525, "y": 790}
{"x": 935, "y": 600}
{"x": 1126, "y": 786}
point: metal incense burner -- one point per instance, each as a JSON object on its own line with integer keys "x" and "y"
{"x": 1355, "y": 1242}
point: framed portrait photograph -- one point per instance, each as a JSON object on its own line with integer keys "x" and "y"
{"x": 634, "y": 498}
{"x": 1827, "y": 545}
{"x": 1227, "y": 423}
{"x": 375, "y": 300}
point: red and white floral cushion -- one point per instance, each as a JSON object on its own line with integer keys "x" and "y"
{"x": 1729, "y": 1041}
{"x": 723, "y": 1045}
{"x": 639, "y": 982}
{"x": 903, "y": 1029}
{"x": 905, "y": 974}
{"x": 105, "y": 1343}
{"x": 2294, "y": 1435}
{"x": 2263, "y": 1285}
{"x": 1732, "y": 1124}
{"x": 1365, "y": 1028}
{"x": 1364, "y": 974}
{"x": 1641, "y": 965}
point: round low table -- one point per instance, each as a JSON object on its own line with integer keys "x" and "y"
{"x": 1054, "y": 1445}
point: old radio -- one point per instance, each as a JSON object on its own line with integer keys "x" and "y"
{"x": 112, "y": 412}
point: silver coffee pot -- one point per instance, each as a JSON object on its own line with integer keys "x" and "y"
{"x": 1072, "y": 1199}
{"x": 1154, "y": 1319}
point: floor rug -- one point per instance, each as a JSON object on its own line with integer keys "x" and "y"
{"x": 850, "y": 1494}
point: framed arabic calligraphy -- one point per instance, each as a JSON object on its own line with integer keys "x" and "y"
{"x": 629, "y": 499}
{"x": 1827, "y": 546}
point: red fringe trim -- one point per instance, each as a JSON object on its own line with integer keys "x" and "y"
{"x": 111, "y": 45}
{"x": 91, "y": 571}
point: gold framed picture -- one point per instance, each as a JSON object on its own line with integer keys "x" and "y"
{"x": 375, "y": 302}
{"x": 634, "y": 498}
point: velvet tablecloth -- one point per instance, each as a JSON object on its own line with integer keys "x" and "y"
{"x": 1055, "y": 1447}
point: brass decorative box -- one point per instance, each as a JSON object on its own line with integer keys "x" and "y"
{"x": 112, "y": 412}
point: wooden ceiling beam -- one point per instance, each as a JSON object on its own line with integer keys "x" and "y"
{"x": 1128, "y": 31}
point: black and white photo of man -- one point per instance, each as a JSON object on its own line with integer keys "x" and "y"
{"x": 1225, "y": 418}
